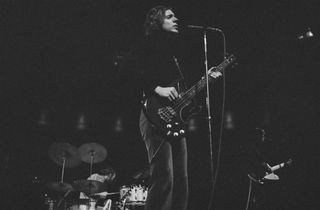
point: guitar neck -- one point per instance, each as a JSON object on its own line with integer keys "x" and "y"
{"x": 195, "y": 89}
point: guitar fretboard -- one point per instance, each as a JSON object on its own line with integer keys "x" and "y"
{"x": 195, "y": 89}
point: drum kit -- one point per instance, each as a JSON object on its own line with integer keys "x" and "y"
{"x": 92, "y": 190}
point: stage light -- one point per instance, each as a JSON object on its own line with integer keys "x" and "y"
{"x": 229, "y": 121}
{"x": 192, "y": 125}
{"x": 118, "y": 125}
{"x": 309, "y": 33}
{"x": 306, "y": 35}
{"x": 43, "y": 119}
{"x": 81, "y": 125}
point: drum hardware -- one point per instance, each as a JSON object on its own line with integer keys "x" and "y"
{"x": 91, "y": 202}
{"x": 65, "y": 155}
{"x": 50, "y": 202}
{"x": 63, "y": 198}
{"x": 91, "y": 153}
{"x": 54, "y": 204}
{"x": 107, "y": 205}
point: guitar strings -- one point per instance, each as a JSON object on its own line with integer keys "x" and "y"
{"x": 186, "y": 96}
{"x": 180, "y": 101}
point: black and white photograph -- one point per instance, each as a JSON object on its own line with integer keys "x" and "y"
{"x": 159, "y": 105}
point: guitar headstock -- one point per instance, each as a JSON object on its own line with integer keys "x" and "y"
{"x": 226, "y": 62}
{"x": 231, "y": 58}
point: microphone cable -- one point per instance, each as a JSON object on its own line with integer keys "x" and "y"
{"x": 249, "y": 194}
{"x": 216, "y": 172}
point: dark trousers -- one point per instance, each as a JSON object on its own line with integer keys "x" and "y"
{"x": 168, "y": 185}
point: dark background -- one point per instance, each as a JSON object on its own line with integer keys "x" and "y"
{"x": 61, "y": 60}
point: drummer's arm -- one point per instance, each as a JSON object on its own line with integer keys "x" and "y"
{"x": 102, "y": 194}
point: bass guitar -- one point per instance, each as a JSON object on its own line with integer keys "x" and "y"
{"x": 171, "y": 116}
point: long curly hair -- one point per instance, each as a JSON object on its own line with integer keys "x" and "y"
{"x": 154, "y": 19}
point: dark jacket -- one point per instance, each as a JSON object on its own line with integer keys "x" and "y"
{"x": 156, "y": 62}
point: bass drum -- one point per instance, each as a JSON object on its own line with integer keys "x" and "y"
{"x": 134, "y": 195}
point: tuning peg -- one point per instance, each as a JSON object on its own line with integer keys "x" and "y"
{"x": 175, "y": 134}
{"x": 169, "y": 126}
{"x": 182, "y": 131}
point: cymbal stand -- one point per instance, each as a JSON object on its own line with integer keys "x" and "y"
{"x": 61, "y": 181}
{"x": 92, "y": 153}
{"x": 63, "y": 167}
{"x": 63, "y": 198}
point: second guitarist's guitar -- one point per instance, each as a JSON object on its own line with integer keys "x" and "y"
{"x": 171, "y": 117}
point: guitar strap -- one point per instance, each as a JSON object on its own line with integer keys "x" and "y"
{"x": 177, "y": 81}
{"x": 181, "y": 76}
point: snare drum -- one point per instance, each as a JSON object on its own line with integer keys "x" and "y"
{"x": 133, "y": 195}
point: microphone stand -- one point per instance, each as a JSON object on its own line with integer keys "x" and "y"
{"x": 208, "y": 100}
{"x": 213, "y": 174}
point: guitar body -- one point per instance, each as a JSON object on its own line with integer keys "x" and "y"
{"x": 169, "y": 117}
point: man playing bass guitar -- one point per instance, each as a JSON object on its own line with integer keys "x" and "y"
{"x": 163, "y": 81}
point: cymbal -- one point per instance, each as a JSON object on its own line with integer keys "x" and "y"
{"x": 60, "y": 186}
{"x": 64, "y": 151}
{"x": 88, "y": 186}
{"x": 95, "y": 150}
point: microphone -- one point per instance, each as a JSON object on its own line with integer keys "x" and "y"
{"x": 270, "y": 175}
{"x": 204, "y": 28}
{"x": 281, "y": 165}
